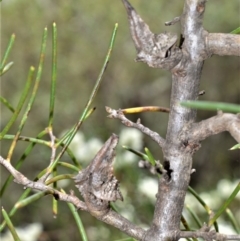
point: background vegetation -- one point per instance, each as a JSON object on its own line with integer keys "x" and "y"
{"x": 84, "y": 29}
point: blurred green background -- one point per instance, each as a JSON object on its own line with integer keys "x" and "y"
{"x": 84, "y": 31}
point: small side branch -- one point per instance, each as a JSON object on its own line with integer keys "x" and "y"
{"x": 24, "y": 181}
{"x": 117, "y": 114}
{"x": 214, "y": 125}
{"x": 223, "y": 44}
{"x": 53, "y": 147}
{"x": 172, "y": 22}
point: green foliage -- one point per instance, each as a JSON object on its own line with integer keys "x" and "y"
{"x": 225, "y": 205}
{"x": 10, "y": 225}
{"x": 3, "y": 66}
{"x": 235, "y": 147}
{"x": 207, "y": 105}
{"x": 236, "y": 31}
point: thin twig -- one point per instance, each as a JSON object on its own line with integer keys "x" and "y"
{"x": 172, "y": 22}
{"x": 22, "y": 180}
{"x": 117, "y": 114}
{"x": 53, "y": 155}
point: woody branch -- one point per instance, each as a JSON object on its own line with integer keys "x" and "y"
{"x": 214, "y": 125}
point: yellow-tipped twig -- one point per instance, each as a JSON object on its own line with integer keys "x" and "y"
{"x": 141, "y": 109}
